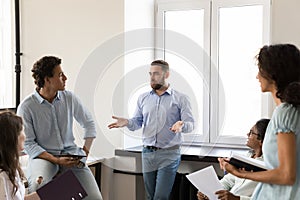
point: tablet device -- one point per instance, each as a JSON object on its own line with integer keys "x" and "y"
{"x": 71, "y": 155}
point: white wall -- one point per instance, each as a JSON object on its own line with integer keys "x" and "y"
{"x": 285, "y": 22}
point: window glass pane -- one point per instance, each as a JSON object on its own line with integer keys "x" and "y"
{"x": 187, "y": 22}
{"x": 6, "y": 52}
{"x": 240, "y": 37}
{"x": 185, "y": 77}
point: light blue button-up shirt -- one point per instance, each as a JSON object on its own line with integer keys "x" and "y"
{"x": 156, "y": 114}
{"x": 49, "y": 126}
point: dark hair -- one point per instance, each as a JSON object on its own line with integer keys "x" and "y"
{"x": 44, "y": 68}
{"x": 164, "y": 65}
{"x": 11, "y": 126}
{"x": 261, "y": 126}
{"x": 281, "y": 63}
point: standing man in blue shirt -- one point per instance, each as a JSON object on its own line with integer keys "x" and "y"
{"x": 48, "y": 116}
{"x": 164, "y": 114}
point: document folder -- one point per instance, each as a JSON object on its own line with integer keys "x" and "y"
{"x": 66, "y": 186}
{"x": 249, "y": 164}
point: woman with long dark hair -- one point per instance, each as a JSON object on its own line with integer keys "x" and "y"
{"x": 279, "y": 74}
{"x": 12, "y": 139}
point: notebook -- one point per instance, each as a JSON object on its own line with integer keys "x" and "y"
{"x": 249, "y": 164}
{"x": 64, "y": 187}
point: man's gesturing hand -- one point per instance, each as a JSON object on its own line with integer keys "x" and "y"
{"x": 121, "y": 122}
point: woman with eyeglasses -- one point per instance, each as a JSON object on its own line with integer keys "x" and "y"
{"x": 279, "y": 74}
{"x": 240, "y": 188}
{"x": 12, "y": 139}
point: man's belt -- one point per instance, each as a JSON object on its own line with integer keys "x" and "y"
{"x": 154, "y": 148}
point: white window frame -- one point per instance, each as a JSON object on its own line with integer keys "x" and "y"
{"x": 266, "y": 100}
{"x": 170, "y": 5}
{"x": 211, "y": 46}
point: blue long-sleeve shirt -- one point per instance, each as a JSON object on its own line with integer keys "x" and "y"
{"x": 156, "y": 114}
{"x": 49, "y": 126}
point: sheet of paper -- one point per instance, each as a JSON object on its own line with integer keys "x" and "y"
{"x": 206, "y": 181}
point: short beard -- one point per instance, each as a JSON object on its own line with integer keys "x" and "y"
{"x": 156, "y": 86}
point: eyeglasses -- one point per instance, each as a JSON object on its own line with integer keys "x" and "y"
{"x": 252, "y": 133}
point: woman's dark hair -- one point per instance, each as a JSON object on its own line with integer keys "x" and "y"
{"x": 261, "y": 126}
{"x": 44, "y": 68}
{"x": 164, "y": 65}
{"x": 281, "y": 63}
{"x": 11, "y": 126}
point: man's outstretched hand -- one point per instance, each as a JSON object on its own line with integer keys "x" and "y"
{"x": 121, "y": 122}
{"x": 177, "y": 127}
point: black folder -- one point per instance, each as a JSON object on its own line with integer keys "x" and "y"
{"x": 65, "y": 186}
{"x": 249, "y": 164}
